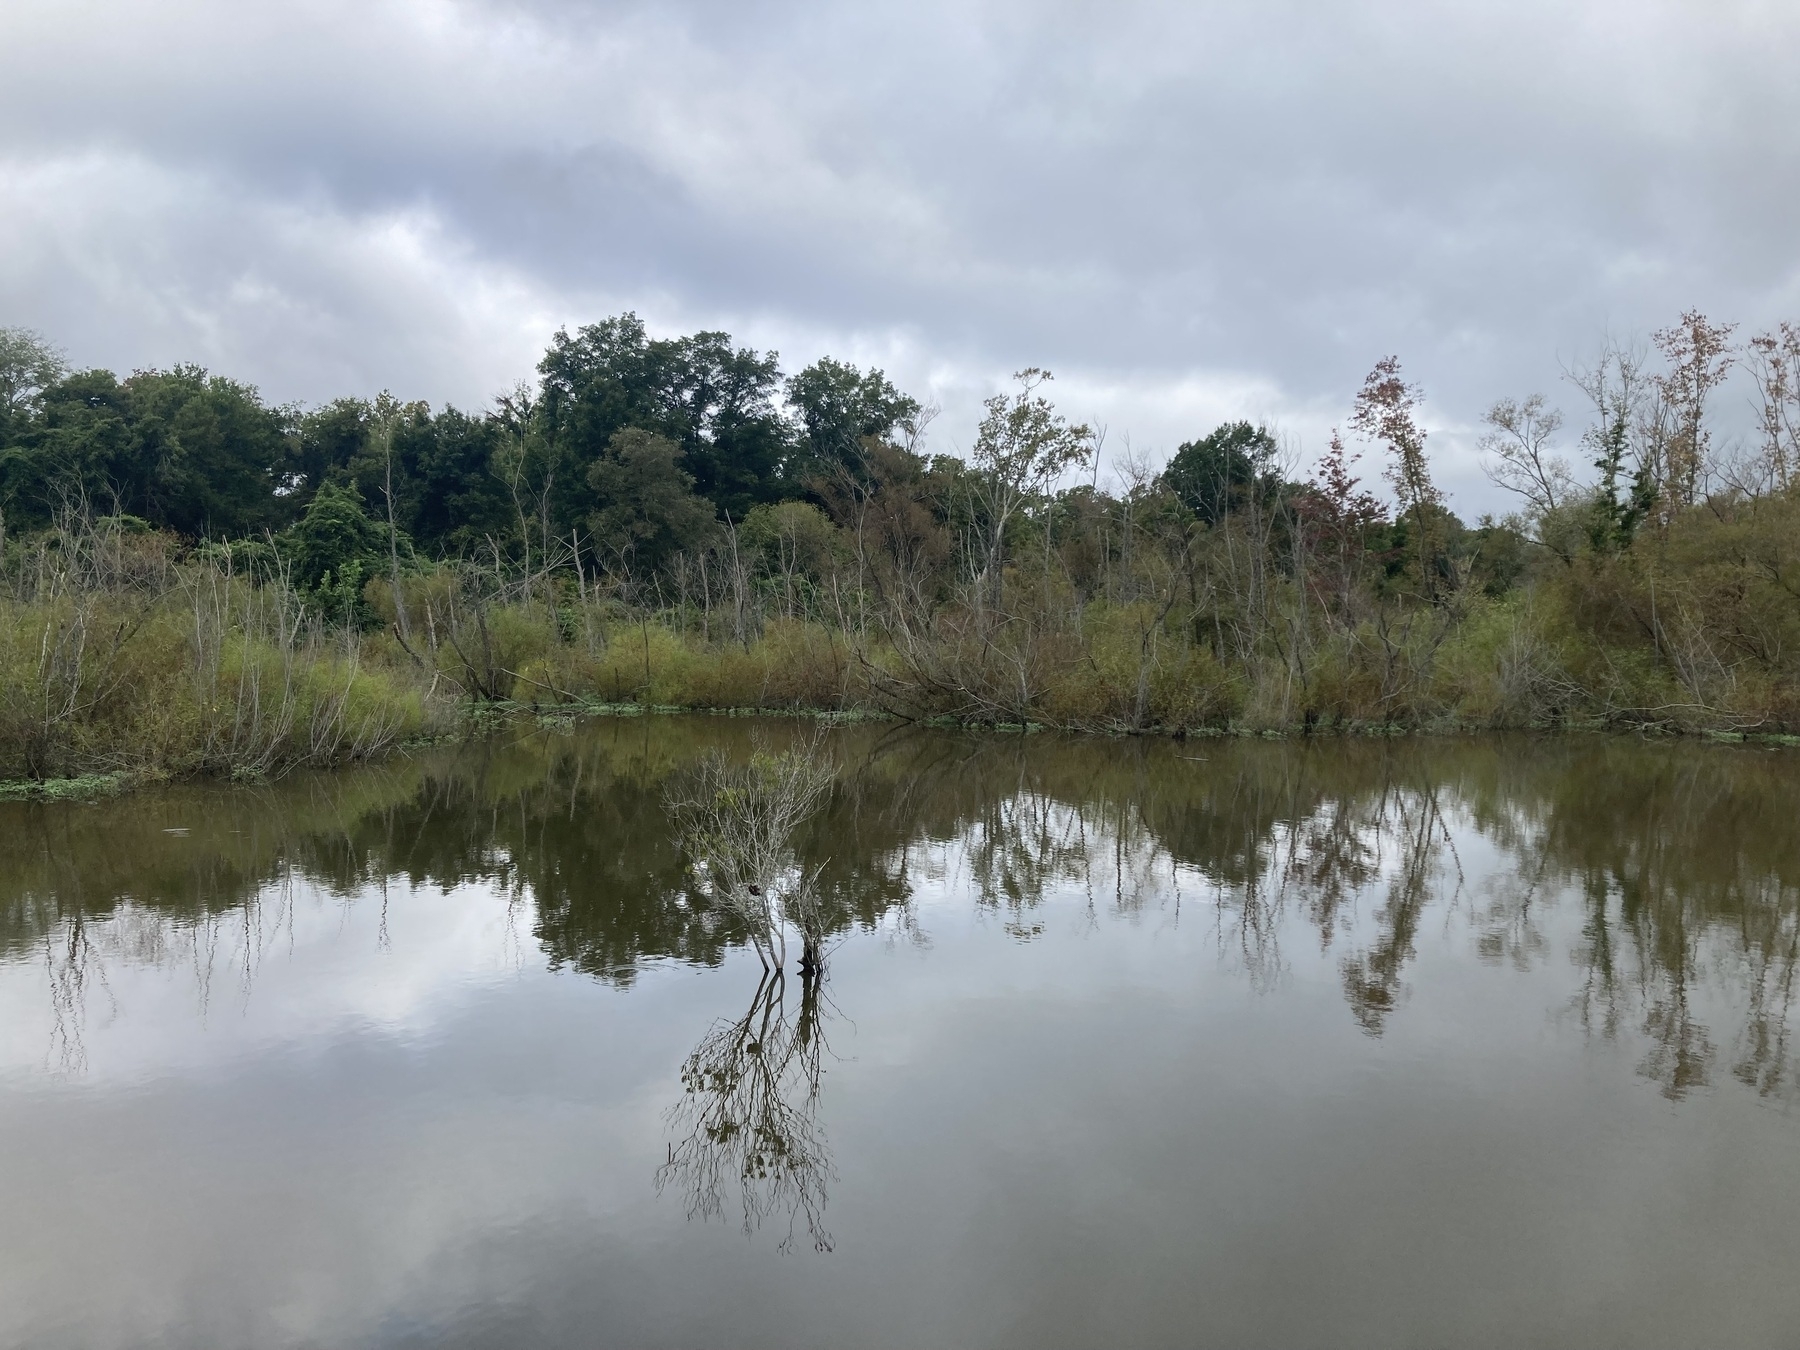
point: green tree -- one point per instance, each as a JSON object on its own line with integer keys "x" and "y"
{"x": 1022, "y": 447}
{"x": 190, "y": 452}
{"x": 714, "y": 400}
{"x": 213, "y": 451}
{"x": 28, "y": 366}
{"x": 1214, "y": 475}
{"x": 454, "y": 501}
{"x": 838, "y": 406}
{"x": 326, "y": 442}
{"x": 647, "y": 509}
{"x": 736, "y": 444}
{"x": 334, "y": 548}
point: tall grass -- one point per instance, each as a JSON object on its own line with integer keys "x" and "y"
{"x": 126, "y": 651}
{"x": 116, "y": 654}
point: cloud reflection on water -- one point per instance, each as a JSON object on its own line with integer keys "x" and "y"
{"x": 554, "y": 853}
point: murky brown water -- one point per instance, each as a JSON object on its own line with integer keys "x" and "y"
{"x": 1412, "y": 1043}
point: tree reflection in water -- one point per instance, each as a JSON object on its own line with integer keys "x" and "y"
{"x": 1681, "y": 862}
{"x": 748, "y": 1118}
{"x": 1372, "y": 976}
{"x": 78, "y": 950}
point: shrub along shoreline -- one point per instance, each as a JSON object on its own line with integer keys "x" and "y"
{"x": 194, "y": 583}
{"x": 129, "y": 654}
{"x": 137, "y": 658}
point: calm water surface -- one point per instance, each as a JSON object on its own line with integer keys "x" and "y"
{"x": 1478, "y": 1043}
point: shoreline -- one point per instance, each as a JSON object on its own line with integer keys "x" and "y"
{"x": 482, "y": 719}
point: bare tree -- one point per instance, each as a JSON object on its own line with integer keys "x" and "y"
{"x": 737, "y": 822}
{"x": 526, "y": 461}
{"x": 386, "y": 423}
{"x": 1700, "y": 355}
{"x": 1519, "y": 440}
{"x": 1773, "y": 360}
{"x": 1628, "y": 439}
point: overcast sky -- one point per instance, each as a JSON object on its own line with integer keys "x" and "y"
{"x": 1189, "y": 211}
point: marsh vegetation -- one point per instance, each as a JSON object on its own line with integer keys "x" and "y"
{"x": 193, "y": 581}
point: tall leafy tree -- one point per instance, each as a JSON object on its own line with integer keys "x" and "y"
{"x": 326, "y": 442}
{"x": 28, "y": 366}
{"x": 455, "y": 501}
{"x": 1021, "y": 448}
{"x": 217, "y": 451}
{"x": 81, "y": 445}
{"x": 736, "y": 443}
{"x": 1214, "y": 475}
{"x": 837, "y": 406}
{"x": 189, "y": 452}
{"x": 717, "y": 402}
{"x": 648, "y": 509}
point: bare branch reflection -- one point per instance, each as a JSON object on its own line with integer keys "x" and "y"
{"x": 1373, "y": 976}
{"x": 748, "y": 1120}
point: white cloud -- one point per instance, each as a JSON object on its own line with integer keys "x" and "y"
{"x": 1187, "y": 210}
{"x": 130, "y": 263}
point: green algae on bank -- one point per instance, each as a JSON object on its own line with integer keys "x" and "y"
{"x": 87, "y": 787}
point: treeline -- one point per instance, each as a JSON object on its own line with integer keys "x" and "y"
{"x": 676, "y": 521}
{"x": 630, "y": 445}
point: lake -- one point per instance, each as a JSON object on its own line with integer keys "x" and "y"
{"x": 1413, "y": 1042}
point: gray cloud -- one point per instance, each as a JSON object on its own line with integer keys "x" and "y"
{"x": 1190, "y": 211}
